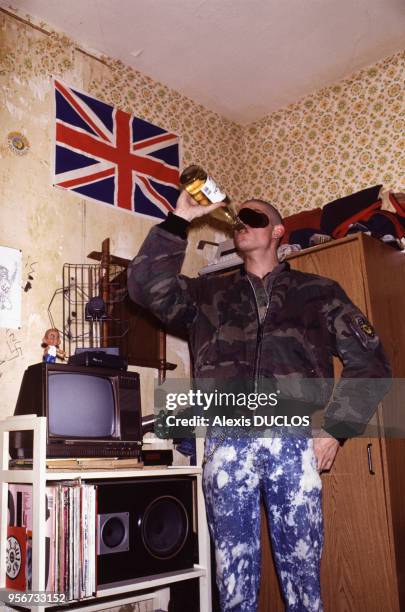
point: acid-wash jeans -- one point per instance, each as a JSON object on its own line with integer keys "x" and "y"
{"x": 283, "y": 471}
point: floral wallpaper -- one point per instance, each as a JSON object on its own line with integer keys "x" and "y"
{"x": 334, "y": 142}
{"x": 54, "y": 226}
{"x": 206, "y": 137}
{"x": 327, "y": 145}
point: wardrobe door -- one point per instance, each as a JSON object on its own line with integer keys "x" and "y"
{"x": 358, "y": 571}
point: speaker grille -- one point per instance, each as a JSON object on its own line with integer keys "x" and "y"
{"x": 165, "y": 527}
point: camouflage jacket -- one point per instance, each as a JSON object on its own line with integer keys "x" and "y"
{"x": 309, "y": 319}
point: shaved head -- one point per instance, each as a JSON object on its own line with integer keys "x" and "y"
{"x": 272, "y": 212}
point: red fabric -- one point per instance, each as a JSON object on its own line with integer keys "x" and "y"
{"x": 312, "y": 218}
{"x": 341, "y": 230}
{"x": 305, "y": 219}
{"x": 398, "y": 202}
{"x": 399, "y": 229}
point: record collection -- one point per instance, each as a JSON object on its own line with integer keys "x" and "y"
{"x": 70, "y": 539}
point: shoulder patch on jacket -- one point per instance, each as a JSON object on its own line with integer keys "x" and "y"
{"x": 363, "y": 330}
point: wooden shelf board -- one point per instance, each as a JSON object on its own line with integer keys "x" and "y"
{"x": 26, "y": 476}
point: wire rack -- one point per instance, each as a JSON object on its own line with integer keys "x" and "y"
{"x": 86, "y": 327}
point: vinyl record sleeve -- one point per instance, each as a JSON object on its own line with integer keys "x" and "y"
{"x": 16, "y": 558}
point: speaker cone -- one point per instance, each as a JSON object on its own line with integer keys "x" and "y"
{"x": 113, "y": 532}
{"x": 165, "y": 527}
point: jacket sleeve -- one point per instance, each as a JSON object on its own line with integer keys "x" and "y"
{"x": 366, "y": 374}
{"x": 155, "y": 282}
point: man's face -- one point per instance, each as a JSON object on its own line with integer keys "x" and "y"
{"x": 249, "y": 238}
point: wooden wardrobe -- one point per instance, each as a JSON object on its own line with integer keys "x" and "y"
{"x": 363, "y": 564}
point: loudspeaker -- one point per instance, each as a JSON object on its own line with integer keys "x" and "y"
{"x": 145, "y": 527}
{"x": 113, "y": 531}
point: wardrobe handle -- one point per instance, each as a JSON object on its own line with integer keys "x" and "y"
{"x": 370, "y": 460}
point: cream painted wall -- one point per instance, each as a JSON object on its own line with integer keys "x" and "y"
{"x": 52, "y": 226}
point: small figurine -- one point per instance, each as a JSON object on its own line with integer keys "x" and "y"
{"x": 50, "y": 344}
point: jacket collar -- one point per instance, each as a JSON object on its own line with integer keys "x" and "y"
{"x": 283, "y": 266}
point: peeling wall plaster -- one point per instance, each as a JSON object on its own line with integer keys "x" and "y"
{"x": 52, "y": 226}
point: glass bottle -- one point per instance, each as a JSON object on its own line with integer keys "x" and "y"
{"x": 205, "y": 191}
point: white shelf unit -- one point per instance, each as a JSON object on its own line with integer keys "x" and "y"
{"x": 39, "y": 476}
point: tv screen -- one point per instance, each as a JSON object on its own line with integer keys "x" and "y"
{"x": 80, "y": 405}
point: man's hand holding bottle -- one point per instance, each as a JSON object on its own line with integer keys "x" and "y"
{"x": 188, "y": 208}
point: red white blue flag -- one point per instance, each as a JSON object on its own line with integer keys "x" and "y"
{"x": 110, "y": 156}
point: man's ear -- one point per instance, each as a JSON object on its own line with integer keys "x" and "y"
{"x": 278, "y": 231}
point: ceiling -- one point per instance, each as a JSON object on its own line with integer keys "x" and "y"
{"x": 240, "y": 58}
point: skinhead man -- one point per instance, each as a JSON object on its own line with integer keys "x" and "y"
{"x": 263, "y": 322}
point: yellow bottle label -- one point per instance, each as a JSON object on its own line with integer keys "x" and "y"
{"x": 195, "y": 187}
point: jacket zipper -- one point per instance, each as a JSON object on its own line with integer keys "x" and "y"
{"x": 258, "y": 354}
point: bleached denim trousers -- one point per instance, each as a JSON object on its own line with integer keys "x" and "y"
{"x": 281, "y": 470}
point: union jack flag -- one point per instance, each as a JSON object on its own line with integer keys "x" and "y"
{"x": 108, "y": 155}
